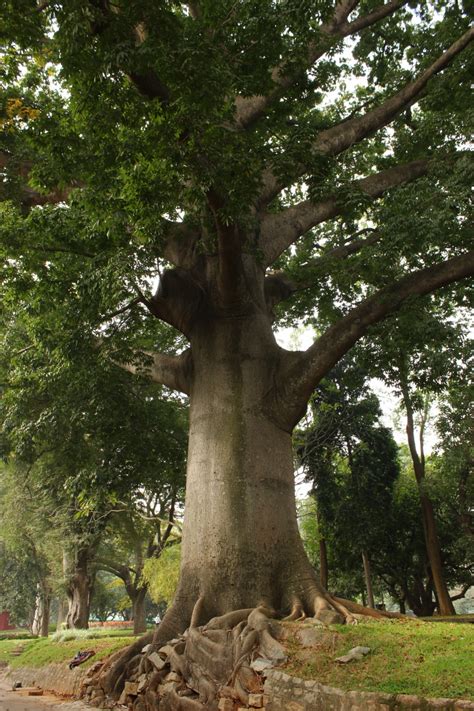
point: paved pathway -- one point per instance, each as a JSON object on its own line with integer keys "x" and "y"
{"x": 12, "y": 701}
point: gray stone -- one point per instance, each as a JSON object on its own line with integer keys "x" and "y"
{"x": 314, "y": 621}
{"x": 445, "y": 704}
{"x": 146, "y": 648}
{"x": 360, "y": 650}
{"x": 311, "y": 636}
{"x": 130, "y": 689}
{"x": 409, "y": 701}
{"x": 142, "y": 681}
{"x": 353, "y": 655}
{"x": 261, "y": 664}
{"x": 157, "y": 661}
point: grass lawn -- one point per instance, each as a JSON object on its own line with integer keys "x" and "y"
{"x": 406, "y": 657}
{"x": 38, "y": 652}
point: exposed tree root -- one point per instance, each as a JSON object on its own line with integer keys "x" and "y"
{"x": 366, "y": 611}
{"x": 193, "y": 669}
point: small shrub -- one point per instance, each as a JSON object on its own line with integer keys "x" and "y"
{"x": 70, "y": 635}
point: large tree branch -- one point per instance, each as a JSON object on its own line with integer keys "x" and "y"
{"x": 181, "y": 243}
{"x": 338, "y": 138}
{"x": 335, "y": 140}
{"x": 279, "y": 286}
{"x": 279, "y": 230}
{"x": 463, "y": 592}
{"x": 150, "y": 85}
{"x": 175, "y": 372}
{"x": 250, "y": 109}
{"x": 28, "y": 196}
{"x": 302, "y": 371}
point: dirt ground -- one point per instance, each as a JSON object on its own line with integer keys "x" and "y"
{"x": 13, "y": 701}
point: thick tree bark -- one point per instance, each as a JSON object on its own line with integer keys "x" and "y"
{"x": 138, "y": 611}
{"x": 323, "y": 563}
{"x": 368, "y": 579}
{"x": 433, "y": 547}
{"x": 79, "y": 592}
{"x": 241, "y": 545}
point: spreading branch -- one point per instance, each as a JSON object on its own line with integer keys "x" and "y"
{"x": 338, "y": 138}
{"x": 250, "y": 109}
{"x": 175, "y": 372}
{"x": 28, "y": 196}
{"x": 280, "y": 230}
{"x": 302, "y": 371}
{"x": 279, "y": 286}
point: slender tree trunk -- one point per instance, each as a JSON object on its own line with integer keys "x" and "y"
{"x": 138, "y": 611}
{"x": 368, "y": 579}
{"x": 420, "y": 598}
{"x": 323, "y": 563}
{"x": 433, "y": 548}
{"x": 40, "y": 626}
{"x": 62, "y": 612}
{"x": 402, "y": 606}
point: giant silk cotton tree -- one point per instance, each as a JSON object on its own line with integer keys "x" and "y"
{"x": 242, "y": 152}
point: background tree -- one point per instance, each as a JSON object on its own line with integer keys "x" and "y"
{"x": 140, "y": 532}
{"x": 30, "y": 546}
{"x": 352, "y": 461}
{"x": 409, "y": 357}
{"x": 75, "y": 427}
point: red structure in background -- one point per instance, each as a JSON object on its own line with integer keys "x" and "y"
{"x": 5, "y": 622}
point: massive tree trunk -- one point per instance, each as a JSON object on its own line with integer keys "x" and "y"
{"x": 79, "y": 592}
{"x": 241, "y": 546}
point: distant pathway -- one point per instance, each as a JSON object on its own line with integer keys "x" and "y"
{"x": 12, "y": 701}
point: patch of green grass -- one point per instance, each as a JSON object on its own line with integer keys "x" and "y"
{"x": 406, "y": 657}
{"x": 39, "y": 652}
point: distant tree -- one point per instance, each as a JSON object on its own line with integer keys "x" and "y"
{"x": 409, "y": 357}
{"x": 351, "y": 458}
{"x": 29, "y": 547}
{"x": 141, "y": 531}
{"x": 109, "y": 597}
{"x": 162, "y": 575}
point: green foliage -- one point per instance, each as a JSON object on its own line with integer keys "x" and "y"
{"x": 162, "y": 575}
{"x": 351, "y": 460}
{"x": 309, "y": 529}
{"x": 109, "y": 597}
